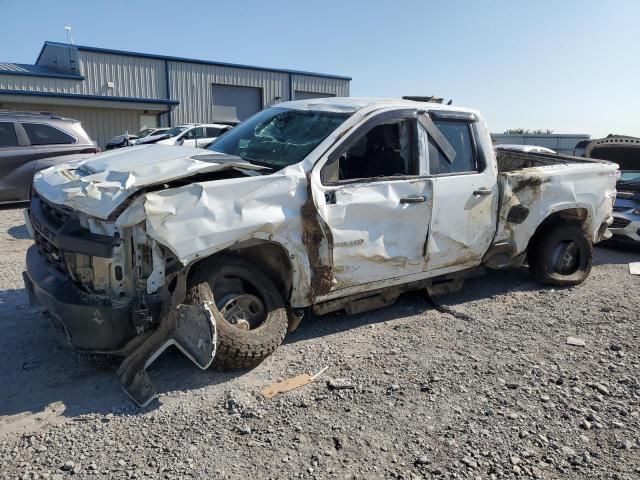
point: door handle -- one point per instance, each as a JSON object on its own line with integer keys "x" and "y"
{"x": 483, "y": 191}
{"x": 414, "y": 199}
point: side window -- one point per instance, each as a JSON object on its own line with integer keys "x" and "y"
{"x": 458, "y": 133}
{"x": 8, "y": 136}
{"x": 41, "y": 134}
{"x": 386, "y": 150}
{"x": 214, "y": 132}
{"x": 195, "y": 133}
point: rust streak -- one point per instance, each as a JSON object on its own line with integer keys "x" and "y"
{"x": 312, "y": 235}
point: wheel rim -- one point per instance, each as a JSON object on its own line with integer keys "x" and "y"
{"x": 244, "y": 311}
{"x": 566, "y": 258}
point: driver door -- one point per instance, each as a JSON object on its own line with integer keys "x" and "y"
{"x": 375, "y": 201}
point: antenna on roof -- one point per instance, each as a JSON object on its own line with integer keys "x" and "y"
{"x": 69, "y": 37}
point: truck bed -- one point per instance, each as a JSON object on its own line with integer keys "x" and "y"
{"x": 535, "y": 185}
{"x": 510, "y": 161}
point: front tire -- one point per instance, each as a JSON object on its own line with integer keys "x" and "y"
{"x": 560, "y": 254}
{"x": 254, "y": 320}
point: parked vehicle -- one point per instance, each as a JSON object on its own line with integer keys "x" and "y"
{"x": 195, "y": 135}
{"x": 625, "y": 151}
{"x": 524, "y": 148}
{"x": 31, "y": 141}
{"x": 321, "y": 205}
{"x": 126, "y": 140}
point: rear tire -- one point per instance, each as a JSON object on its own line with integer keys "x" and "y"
{"x": 255, "y": 319}
{"x": 560, "y": 254}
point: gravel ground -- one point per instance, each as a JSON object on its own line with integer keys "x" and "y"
{"x": 409, "y": 392}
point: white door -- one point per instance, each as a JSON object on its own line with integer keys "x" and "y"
{"x": 375, "y": 202}
{"x": 465, "y": 190}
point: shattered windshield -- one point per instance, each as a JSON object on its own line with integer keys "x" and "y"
{"x": 278, "y": 137}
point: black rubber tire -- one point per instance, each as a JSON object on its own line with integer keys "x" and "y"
{"x": 238, "y": 348}
{"x": 542, "y": 265}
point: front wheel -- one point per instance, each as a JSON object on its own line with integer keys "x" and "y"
{"x": 560, "y": 254}
{"x": 254, "y": 317}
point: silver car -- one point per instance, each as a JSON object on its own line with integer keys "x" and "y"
{"x": 626, "y": 211}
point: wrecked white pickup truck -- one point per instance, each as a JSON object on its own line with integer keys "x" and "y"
{"x": 321, "y": 204}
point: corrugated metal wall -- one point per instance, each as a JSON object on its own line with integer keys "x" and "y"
{"x": 560, "y": 143}
{"x": 100, "y": 123}
{"x": 191, "y": 85}
{"x": 39, "y": 84}
{"x": 131, "y": 76}
{"x": 145, "y": 78}
{"x": 335, "y": 86}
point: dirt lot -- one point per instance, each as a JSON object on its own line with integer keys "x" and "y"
{"x": 409, "y": 392}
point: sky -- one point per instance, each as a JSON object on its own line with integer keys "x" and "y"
{"x": 572, "y": 66}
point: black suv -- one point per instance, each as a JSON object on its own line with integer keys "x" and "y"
{"x": 31, "y": 141}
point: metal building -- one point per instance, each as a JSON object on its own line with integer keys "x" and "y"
{"x": 561, "y": 143}
{"x": 111, "y": 91}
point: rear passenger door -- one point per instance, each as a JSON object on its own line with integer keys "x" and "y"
{"x": 465, "y": 190}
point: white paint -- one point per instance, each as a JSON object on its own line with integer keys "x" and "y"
{"x": 377, "y": 241}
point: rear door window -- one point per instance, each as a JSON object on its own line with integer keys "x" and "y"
{"x": 8, "y": 136}
{"x": 42, "y": 134}
{"x": 215, "y": 132}
{"x": 458, "y": 134}
{"x": 195, "y": 133}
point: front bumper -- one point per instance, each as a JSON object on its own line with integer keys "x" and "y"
{"x": 82, "y": 320}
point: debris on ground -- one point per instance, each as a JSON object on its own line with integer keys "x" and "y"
{"x": 290, "y": 384}
{"x": 634, "y": 268}
{"x": 575, "y": 342}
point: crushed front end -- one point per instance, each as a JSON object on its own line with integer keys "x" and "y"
{"x": 92, "y": 279}
{"x": 112, "y": 290}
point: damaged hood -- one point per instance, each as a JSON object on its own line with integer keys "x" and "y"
{"x": 99, "y": 184}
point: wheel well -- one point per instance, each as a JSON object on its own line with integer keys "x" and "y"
{"x": 574, "y": 216}
{"x": 270, "y": 257}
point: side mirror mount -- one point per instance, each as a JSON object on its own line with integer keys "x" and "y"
{"x": 331, "y": 170}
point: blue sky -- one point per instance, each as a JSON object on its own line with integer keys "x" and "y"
{"x": 567, "y": 65}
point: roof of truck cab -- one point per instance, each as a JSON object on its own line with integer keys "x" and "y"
{"x": 353, "y": 104}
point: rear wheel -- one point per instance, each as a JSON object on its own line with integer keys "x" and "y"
{"x": 254, "y": 317}
{"x": 560, "y": 254}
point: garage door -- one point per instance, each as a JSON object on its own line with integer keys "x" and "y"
{"x": 302, "y": 95}
{"x": 232, "y": 103}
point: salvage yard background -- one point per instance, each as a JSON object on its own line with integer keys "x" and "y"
{"x": 409, "y": 392}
